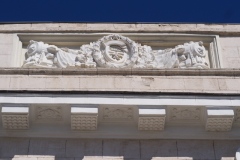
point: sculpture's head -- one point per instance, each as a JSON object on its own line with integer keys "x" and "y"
{"x": 199, "y": 49}
{"x": 32, "y": 48}
{"x": 35, "y": 47}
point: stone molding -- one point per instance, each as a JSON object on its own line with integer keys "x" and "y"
{"x": 221, "y": 29}
{"x": 119, "y": 99}
{"x": 231, "y": 72}
{"x": 118, "y": 84}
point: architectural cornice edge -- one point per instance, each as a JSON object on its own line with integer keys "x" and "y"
{"x": 122, "y": 72}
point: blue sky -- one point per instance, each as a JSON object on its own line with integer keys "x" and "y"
{"x": 182, "y": 11}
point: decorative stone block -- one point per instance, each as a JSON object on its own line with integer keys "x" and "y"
{"x": 125, "y": 113}
{"x": 185, "y": 113}
{"x": 237, "y": 114}
{"x": 49, "y": 113}
{"x": 84, "y": 118}
{"x": 151, "y": 119}
{"x": 219, "y": 120}
{"x": 15, "y": 117}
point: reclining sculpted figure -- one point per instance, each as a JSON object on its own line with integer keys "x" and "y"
{"x": 43, "y": 55}
{"x": 115, "y": 51}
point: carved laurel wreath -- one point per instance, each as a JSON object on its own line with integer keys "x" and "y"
{"x": 126, "y": 57}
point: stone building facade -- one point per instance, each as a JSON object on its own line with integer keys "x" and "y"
{"x": 119, "y": 91}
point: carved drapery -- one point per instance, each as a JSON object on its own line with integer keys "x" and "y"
{"x": 115, "y": 51}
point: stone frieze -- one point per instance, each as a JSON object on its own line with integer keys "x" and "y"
{"x": 115, "y": 51}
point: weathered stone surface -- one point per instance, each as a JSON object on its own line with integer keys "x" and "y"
{"x": 70, "y": 82}
{"x": 229, "y": 84}
{"x": 196, "y": 84}
{"x": 5, "y": 60}
{"x": 6, "y": 39}
{"x": 231, "y": 62}
{"x": 229, "y": 41}
{"x": 226, "y": 149}
{"x": 4, "y": 82}
{"x": 102, "y": 83}
{"x": 121, "y": 73}
{"x": 203, "y": 149}
{"x": 222, "y": 29}
{"x": 16, "y": 27}
{"x": 24, "y": 82}
{"x": 41, "y": 146}
{"x": 9, "y": 147}
{"x": 113, "y": 148}
{"x": 131, "y": 149}
{"x": 125, "y": 148}
{"x": 75, "y": 148}
{"x": 158, "y": 148}
{"x": 10, "y": 50}
{"x": 93, "y": 147}
{"x": 230, "y": 52}
{"x": 6, "y": 49}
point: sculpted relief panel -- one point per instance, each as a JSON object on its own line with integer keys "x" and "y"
{"x": 51, "y": 112}
{"x": 115, "y": 51}
{"x": 118, "y": 113}
{"x": 185, "y": 113}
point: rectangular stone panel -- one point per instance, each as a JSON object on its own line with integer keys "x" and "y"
{"x": 15, "y": 117}
{"x": 84, "y": 118}
{"x": 151, "y": 123}
{"x": 219, "y": 120}
{"x": 151, "y": 119}
{"x": 83, "y": 122}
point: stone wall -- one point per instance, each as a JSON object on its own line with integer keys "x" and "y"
{"x": 9, "y": 50}
{"x": 230, "y": 51}
{"x": 122, "y": 149}
{"x": 177, "y": 84}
